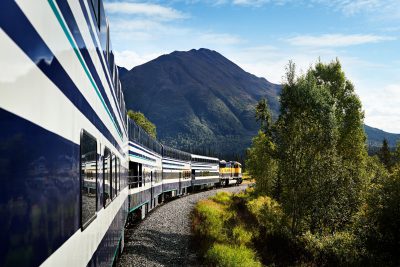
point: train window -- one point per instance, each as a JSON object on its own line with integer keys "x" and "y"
{"x": 116, "y": 174}
{"x": 96, "y": 11}
{"x": 107, "y": 172}
{"x": 113, "y": 176}
{"x": 88, "y": 178}
{"x": 118, "y": 186}
{"x": 108, "y": 44}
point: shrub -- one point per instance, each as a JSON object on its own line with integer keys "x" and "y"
{"x": 378, "y": 224}
{"x": 268, "y": 213}
{"x": 209, "y": 219}
{"x": 222, "y": 198}
{"x": 241, "y": 236}
{"x": 339, "y": 249}
{"x": 232, "y": 256}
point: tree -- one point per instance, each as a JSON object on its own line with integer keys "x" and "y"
{"x": 385, "y": 155}
{"x": 143, "y": 122}
{"x": 321, "y": 148}
{"x": 379, "y": 223}
{"x": 396, "y": 155}
{"x": 261, "y": 163}
{"x": 263, "y": 115}
{"x": 351, "y": 147}
{"x": 306, "y": 139}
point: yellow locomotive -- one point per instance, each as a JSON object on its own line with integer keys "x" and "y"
{"x": 230, "y": 172}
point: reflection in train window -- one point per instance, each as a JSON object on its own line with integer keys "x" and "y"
{"x": 113, "y": 176}
{"x": 107, "y": 166}
{"x": 88, "y": 178}
{"x": 119, "y": 175}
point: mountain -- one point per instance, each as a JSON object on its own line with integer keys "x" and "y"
{"x": 376, "y": 136}
{"x": 202, "y": 102}
{"x": 199, "y": 99}
{"x": 122, "y": 71}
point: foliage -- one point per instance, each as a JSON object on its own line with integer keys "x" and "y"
{"x": 241, "y": 235}
{"x": 268, "y": 213}
{"x": 221, "y": 234}
{"x": 263, "y": 115}
{"x": 143, "y": 122}
{"x": 338, "y": 249}
{"x": 228, "y": 255}
{"x": 321, "y": 151}
{"x": 209, "y": 221}
{"x": 385, "y": 155}
{"x": 261, "y": 164}
{"x": 222, "y": 198}
{"x": 378, "y": 224}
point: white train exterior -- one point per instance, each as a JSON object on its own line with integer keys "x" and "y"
{"x": 205, "y": 171}
{"x": 72, "y": 166}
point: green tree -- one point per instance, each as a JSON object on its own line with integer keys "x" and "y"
{"x": 350, "y": 144}
{"x": 396, "y": 154}
{"x": 321, "y": 148}
{"x": 306, "y": 139}
{"x": 385, "y": 155}
{"x": 379, "y": 223}
{"x": 143, "y": 122}
{"x": 263, "y": 115}
{"x": 261, "y": 164}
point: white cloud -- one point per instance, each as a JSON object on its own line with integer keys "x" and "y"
{"x": 130, "y": 59}
{"x": 337, "y": 40}
{"x": 388, "y": 7}
{"x": 220, "y": 38}
{"x": 258, "y": 3}
{"x": 145, "y": 9}
{"x": 382, "y": 107}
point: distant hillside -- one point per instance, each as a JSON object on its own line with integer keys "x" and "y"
{"x": 122, "y": 71}
{"x": 376, "y": 136}
{"x": 199, "y": 99}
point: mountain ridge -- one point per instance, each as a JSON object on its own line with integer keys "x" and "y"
{"x": 198, "y": 99}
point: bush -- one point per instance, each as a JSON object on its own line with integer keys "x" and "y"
{"x": 339, "y": 249}
{"x": 209, "y": 220}
{"x": 378, "y": 224}
{"x": 241, "y": 236}
{"x": 268, "y": 213}
{"x": 232, "y": 256}
{"x": 222, "y": 198}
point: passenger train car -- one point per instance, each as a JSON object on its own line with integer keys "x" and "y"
{"x": 205, "y": 171}
{"x": 64, "y": 196}
{"x": 73, "y": 166}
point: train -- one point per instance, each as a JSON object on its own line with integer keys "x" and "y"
{"x": 73, "y": 166}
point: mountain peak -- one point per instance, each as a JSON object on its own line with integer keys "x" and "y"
{"x": 199, "y": 98}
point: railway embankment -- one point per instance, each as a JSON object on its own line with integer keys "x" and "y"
{"x": 163, "y": 237}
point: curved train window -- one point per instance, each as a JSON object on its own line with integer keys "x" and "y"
{"x": 107, "y": 172}
{"x": 119, "y": 175}
{"x": 113, "y": 176}
{"x": 88, "y": 178}
{"x": 96, "y": 9}
{"x": 115, "y": 187}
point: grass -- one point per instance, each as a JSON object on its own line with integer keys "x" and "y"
{"x": 221, "y": 234}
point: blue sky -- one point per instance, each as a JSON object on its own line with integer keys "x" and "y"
{"x": 261, "y": 36}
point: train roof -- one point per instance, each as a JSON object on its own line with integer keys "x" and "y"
{"x": 203, "y": 157}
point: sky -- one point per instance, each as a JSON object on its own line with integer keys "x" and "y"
{"x": 261, "y": 36}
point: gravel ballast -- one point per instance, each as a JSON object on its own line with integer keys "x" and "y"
{"x": 163, "y": 237}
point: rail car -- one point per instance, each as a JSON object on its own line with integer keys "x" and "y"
{"x": 205, "y": 171}
{"x": 73, "y": 166}
{"x": 63, "y": 162}
{"x": 230, "y": 172}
